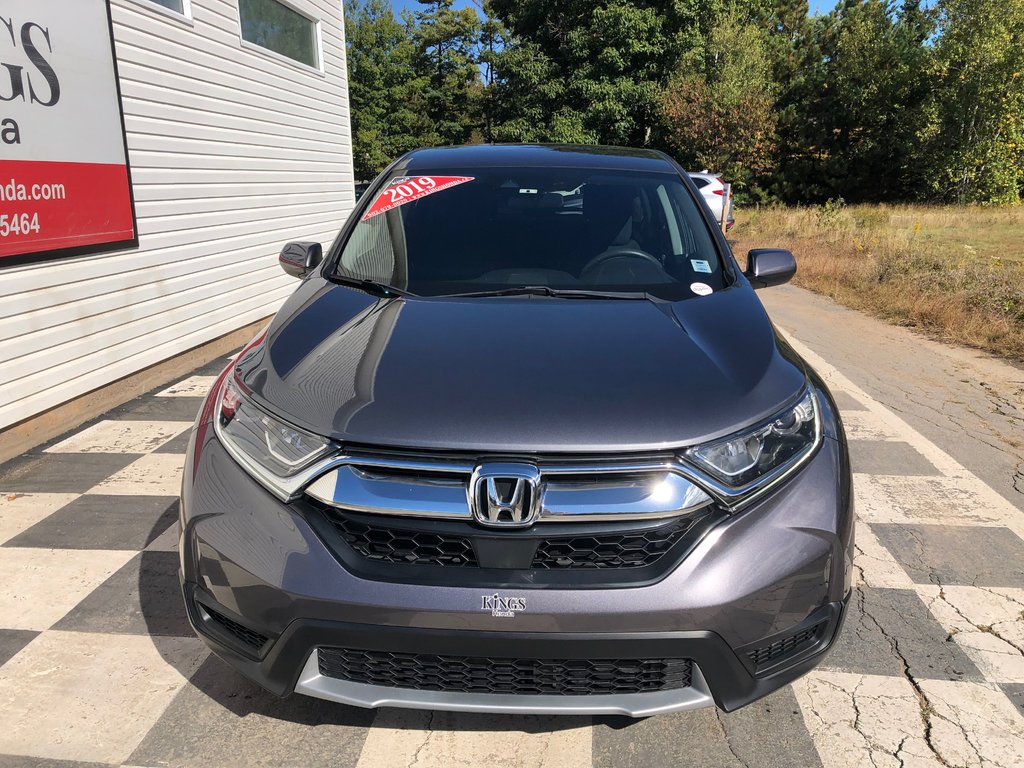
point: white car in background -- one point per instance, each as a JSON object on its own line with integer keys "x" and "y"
{"x": 712, "y": 188}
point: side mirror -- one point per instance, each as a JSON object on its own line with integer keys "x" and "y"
{"x": 769, "y": 266}
{"x": 299, "y": 259}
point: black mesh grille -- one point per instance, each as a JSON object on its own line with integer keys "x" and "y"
{"x": 767, "y": 654}
{"x": 247, "y": 636}
{"x": 477, "y": 674}
{"x": 633, "y": 549}
{"x": 394, "y": 545}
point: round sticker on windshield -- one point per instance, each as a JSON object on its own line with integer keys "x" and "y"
{"x": 701, "y": 289}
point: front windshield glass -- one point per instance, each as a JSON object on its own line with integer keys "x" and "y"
{"x": 499, "y": 229}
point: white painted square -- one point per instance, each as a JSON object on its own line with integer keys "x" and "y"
{"x": 90, "y": 697}
{"x": 121, "y": 437}
{"x": 874, "y": 565}
{"x": 158, "y": 474}
{"x": 872, "y": 721}
{"x": 863, "y": 721}
{"x": 412, "y": 737}
{"x": 922, "y": 500}
{"x": 20, "y": 511}
{"x": 193, "y": 386}
{"x": 39, "y": 586}
{"x": 987, "y": 622}
{"x": 974, "y": 719}
{"x": 865, "y": 425}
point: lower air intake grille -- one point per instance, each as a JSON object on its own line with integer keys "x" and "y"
{"x": 478, "y": 674}
{"x": 394, "y": 545}
{"x": 247, "y": 636}
{"x": 767, "y": 654}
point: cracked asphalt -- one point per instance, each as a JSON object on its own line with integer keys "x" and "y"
{"x": 99, "y": 667}
{"x": 964, "y": 401}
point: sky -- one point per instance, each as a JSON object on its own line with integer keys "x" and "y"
{"x": 817, "y": 6}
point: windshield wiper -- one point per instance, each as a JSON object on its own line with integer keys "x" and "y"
{"x": 370, "y": 286}
{"x": 561, "y": 293}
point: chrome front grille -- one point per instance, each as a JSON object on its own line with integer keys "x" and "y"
{"x": 568, "y": 493}
{"x": 577, "y": 524}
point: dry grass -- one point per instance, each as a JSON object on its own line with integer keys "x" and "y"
{"x": 955, "y": 273}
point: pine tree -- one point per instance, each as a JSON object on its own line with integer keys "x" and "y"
{"x": 446, "y": 41}
{"x": 383, "y": 87}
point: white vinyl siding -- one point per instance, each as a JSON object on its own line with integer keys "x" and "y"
{"x": 233, "y": 153}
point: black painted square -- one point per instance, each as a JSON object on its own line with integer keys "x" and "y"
{"x": 12, "y": 641}
{"x": 142, "y": 598}
{"x": 986, "y": 556}
{"x": 885, "y": 628}
{"x": 102, "y": 522}
{"x": 61, "y": 472}
{"x": 888, "y": 457}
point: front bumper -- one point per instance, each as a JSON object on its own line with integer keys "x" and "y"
{"x": 756, "y": 579}
{"x": 720, "y": 675}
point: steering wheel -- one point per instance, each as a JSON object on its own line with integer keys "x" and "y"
{"x": 620, "y": 253}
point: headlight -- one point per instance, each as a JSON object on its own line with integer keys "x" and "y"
{"x": 743, "y": 458}
{"x": 272, "y": 450}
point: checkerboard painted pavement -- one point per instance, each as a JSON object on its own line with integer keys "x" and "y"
{"x": 98, "y": 664}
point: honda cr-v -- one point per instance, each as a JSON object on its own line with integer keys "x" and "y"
{"x": 522, "y": 440}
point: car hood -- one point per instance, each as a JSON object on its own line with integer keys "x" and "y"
{"x": 521, "y": 374}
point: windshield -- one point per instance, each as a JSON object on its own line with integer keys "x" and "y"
{"x": 483, "y": 230}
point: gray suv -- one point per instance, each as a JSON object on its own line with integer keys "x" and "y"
{"x": 524, "y": 441}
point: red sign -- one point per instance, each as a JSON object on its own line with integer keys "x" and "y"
{"x": 65, "y": 185}
{"x": 405, "y": 189}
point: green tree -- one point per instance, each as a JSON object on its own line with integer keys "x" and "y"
{"x": 494, "y": 39}
{"x": 383, "y": 86}
{"x": 873, "y": 100}
{"x": 593, "y": 71}
{"x": 974, "y": 142}
{"x": 718, "y": 109}
{"x": 446, "y": 42}
{"x": 795, "y": 55}
{"x": 851, "y": 114}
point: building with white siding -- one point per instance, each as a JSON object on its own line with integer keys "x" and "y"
{"x": 237, "y": 132}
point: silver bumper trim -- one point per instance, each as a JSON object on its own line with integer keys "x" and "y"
{"x": 312, "y": 683}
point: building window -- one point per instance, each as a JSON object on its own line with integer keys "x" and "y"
{"x": 177, "y": 6}
{"x": 177, "y": 9}
{"x": 272, "y": 25}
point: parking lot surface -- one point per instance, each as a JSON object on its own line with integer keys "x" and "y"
{"x": 99, "y": 665}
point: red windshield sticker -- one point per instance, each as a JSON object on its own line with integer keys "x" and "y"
{"x": 405, "y": 189}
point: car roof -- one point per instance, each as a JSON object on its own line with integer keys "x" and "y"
{"x": 535, "y": 155}
{"x": 703, "y": 175}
